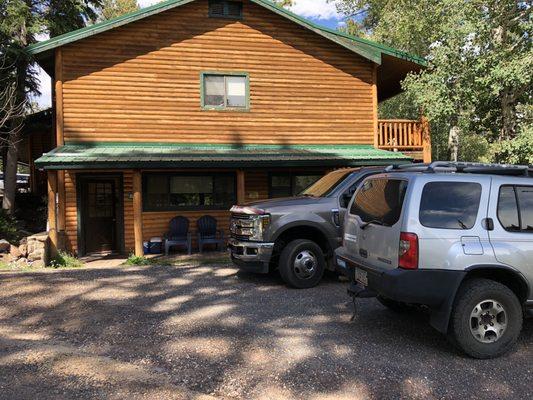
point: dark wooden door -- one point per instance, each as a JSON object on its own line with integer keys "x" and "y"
{"x": 99, "y": 215}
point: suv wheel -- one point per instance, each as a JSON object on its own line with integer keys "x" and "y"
{"x": 302, "y": 264}
{"x": 486, "y": 319}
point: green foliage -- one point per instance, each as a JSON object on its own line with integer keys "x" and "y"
{"x": 137, "y": 260}
{"x": 115, "y": 8}
{"x": 514, "y": 151}
{"x": 65, "y": 260}
{"x": 284, "y": 3}
{"x": 480, "y": 61}
{"x": 8, "y": 227}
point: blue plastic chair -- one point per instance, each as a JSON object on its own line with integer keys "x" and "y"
{"x": 208, "y": 233}
{"x": 178, "y": 234}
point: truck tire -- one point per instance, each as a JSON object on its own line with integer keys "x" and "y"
{"x": 302, "y": 264}
{"x": 486, "y": 318}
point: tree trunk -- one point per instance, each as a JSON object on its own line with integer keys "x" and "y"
{"x": 453, "y": 142}
{"x": 508, "y": 127}
{"x": 10, "y": 174}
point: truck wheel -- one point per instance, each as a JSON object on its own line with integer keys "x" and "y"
{"x": 486, "y": 319}
{"x": 302, "y": 264}
{"x": 395, "y": 306}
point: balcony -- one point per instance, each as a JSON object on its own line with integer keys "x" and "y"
{"x": 410, "y": 137}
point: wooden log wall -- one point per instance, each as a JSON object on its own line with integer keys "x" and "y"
{"x": 141, "y": 82}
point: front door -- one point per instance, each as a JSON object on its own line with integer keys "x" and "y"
{"x": 100, "y": 209}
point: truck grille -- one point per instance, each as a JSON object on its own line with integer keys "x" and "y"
{"x": 238, "y": 222}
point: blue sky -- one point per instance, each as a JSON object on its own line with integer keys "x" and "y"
{"x": 322, "y": 12}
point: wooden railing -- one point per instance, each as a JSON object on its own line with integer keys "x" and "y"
{"x": 407, "y": 136}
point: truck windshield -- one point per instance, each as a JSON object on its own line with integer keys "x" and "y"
{"x": 324, "y": 186}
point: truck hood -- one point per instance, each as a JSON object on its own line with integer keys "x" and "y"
{"x": 273, "y": 205}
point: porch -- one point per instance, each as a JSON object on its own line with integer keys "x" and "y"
{"x": 410, "y": 137}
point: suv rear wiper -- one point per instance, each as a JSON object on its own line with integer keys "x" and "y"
{"x": 365, "y": 225}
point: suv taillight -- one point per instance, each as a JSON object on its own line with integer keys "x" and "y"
{"x": 408, "y": 254}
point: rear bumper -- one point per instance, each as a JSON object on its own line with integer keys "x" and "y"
{"x": 435, "y": 289}
{"x": 251, "y": 256}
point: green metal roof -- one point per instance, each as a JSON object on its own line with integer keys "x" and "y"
{"x": 365, "y": 48}
{"x": 178, "y": 155}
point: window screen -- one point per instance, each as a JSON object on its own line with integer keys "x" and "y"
{"x": 380, "y": 200}
{"x": 450, "y": 205}
{"x": 225, "y": 91}
{"x": 166, "y": 192}
{"x": 290, "y": 184}
{"x": 225, "y": 9}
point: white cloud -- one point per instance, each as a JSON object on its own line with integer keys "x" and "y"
{"x": 315, "y": 9}
{"x": 146, "y": 3}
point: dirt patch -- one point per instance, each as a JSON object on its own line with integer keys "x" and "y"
{"x": 195, "y": 330}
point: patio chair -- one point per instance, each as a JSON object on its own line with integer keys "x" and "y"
{"x": 178, "y": 234}
{"x": 208, "y": 233}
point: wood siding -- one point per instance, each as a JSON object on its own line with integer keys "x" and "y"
{"x": 141, "y": 82}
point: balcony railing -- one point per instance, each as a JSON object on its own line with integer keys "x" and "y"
{"x": 407, "y": 136}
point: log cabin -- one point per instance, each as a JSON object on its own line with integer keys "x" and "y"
{"x": 190, "y": 106}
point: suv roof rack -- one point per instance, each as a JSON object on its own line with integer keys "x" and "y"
{"x": 466, "y": 168}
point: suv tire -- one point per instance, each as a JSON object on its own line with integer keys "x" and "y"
{"x": 302, "y": 264}
{"x": 489, "y": 310}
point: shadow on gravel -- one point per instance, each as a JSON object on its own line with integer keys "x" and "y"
{"x": 177, "y": 332}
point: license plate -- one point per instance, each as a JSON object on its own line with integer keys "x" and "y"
{"x": 361, "y": 277}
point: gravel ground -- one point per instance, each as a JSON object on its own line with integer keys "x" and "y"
{"x": 202, "y": 331}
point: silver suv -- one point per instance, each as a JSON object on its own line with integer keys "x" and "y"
{"x": 456, "y": 238}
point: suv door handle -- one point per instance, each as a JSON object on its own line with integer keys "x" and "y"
{"x": 488, "y": 224}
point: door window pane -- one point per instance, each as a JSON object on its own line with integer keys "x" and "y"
{"x": 508, "y": 209}
{"x": 525, "y": 199}
{"x": 214, "y": 90}
{"x": 380, "y": 200}
{"x": 236, "y": 91}
{"x": 450, "y": 205}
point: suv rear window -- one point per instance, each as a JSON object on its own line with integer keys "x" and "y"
{"x": 450, "y": 205}
{"x": 380, "y": 200}
{"x": 515, "y": 208}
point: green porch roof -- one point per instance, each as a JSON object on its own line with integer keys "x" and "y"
{"x": 178, "y": 155}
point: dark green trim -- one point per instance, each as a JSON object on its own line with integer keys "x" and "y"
{"x": 365, "y": 48}
{"x": 225, "y": 16}
{"x": 81, "y": 178}
{"x": 224, "y": 74}
{"x": 214, "y": 176}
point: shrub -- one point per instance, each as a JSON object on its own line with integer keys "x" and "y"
{"x": 515, "y": 151}
{"x": 137, "y": 260}
{"x": 8, "y": 227}
{"x": 65, "y": 260}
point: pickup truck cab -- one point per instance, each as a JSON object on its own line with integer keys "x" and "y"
{"x": 296, "y": 235}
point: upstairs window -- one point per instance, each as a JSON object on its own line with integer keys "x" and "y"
{"x": 225, "y": 91}
{"x": 225, "y": 9}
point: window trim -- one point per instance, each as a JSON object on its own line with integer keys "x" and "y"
{"x": 170, "y": 175}
{"x": 225, "y": 16}
{"x": 519, "y": 212}
{"x": 292, "y": 175}
{"x": 225, "y": 74}
{"x": 453, "y": 182}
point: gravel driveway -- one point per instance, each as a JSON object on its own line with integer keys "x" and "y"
{"x": 195, "y": 331}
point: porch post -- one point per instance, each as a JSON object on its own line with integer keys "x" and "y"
{"x": 137, "y": 213}
{"x": 426, "y": 139}
{"x": 52, "y": 212}
{"x": 375, "y": 105}
{"x": 241, "y": 189}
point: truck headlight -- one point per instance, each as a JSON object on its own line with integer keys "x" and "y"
{"x": 260, "y": 224}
